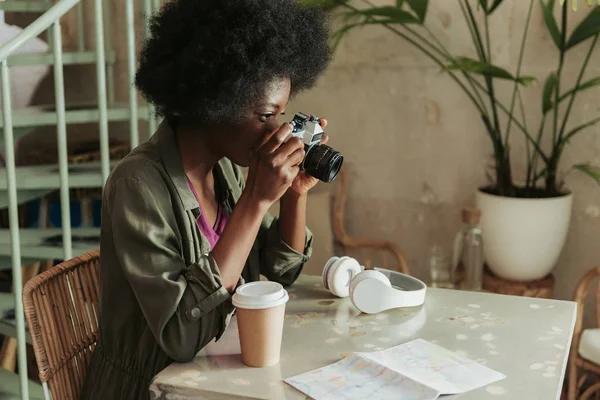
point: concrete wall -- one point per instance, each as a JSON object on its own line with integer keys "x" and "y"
{"x": 414, "y": 143}
{"x": 416, "y": 146}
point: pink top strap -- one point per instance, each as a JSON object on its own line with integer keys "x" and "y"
{"x": 212, "y": 233}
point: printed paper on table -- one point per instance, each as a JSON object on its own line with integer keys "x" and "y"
{"x": 416, "y": 370}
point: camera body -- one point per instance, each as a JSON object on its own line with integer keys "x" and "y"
{"x": 320, "y": 161}
{"x": 307, "y": 128}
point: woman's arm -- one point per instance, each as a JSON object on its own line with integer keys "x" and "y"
{"x": 185, "y": 305}
{"x": 292, "y": 220}
{"x": 272, "y": 171}
{"x": 279, "y": 261}
{"x": 292, "y": 214}
{"x": 233, "y": 247}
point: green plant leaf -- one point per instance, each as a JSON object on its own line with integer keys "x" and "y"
{"x": 399, "y": 3}
{"x": 339, "y": 34}
{"x": 467, "y": 64}
{"x": 590, "y": 170}
{"x": 575, "y": 131}
{"x": 526, "y": 80}
{"x": 484, "y": 4}
{"x": 586, "y": 85}
{"x": 419, "y": 7}
{"x": 495, "y": 5}
{"x": 573, "y": 4}
{"x": 394, "y": 15}
{"x": 548, "y": 94}
{"x": 541, "y": 174}
{"x": 548, "y": 11}
{"x": 587, "y": 28}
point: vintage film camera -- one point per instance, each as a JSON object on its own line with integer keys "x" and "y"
{"x": 321, "y": 161}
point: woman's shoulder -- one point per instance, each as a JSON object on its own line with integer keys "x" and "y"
{"x": 142, "y": 164}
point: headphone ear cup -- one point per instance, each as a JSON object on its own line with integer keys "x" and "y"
{"x": 331, "y": 274}
{"x": 340, "y": 275}
{"x": 325, "y": 273}
{"x": 367, "y": 274}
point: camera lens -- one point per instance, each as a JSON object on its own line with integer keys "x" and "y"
{"x": 323, "y": 162}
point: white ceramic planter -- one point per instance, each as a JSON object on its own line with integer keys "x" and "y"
{"x": 523, "y": 238}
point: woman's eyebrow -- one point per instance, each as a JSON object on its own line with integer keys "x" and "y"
{"x": 270, "y": 105}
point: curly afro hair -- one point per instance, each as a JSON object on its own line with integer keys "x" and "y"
{"x": 208, "y": 61}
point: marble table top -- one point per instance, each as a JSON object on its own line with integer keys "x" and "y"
{"x": 526, "y": 339}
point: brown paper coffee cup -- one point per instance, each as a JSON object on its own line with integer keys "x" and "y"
{"x": 260, "y": 315}
{"x": 260, "y": 335}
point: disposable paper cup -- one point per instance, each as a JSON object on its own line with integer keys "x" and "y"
{"x": 260, "y": 314}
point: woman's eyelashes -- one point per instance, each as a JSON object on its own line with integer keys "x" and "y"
{"x": 267, "y": 116}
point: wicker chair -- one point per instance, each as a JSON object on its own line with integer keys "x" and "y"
{"x": 61, "y": 307}
{"x": 583, "y": 358}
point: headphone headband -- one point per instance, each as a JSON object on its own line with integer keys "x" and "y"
{"x": 412, "y": 288}
{"x": 372, "y": 291}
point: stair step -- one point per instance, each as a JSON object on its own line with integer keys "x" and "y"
{"x": 8, "y": 328}
{"x": 47, "y": 176}
{"x": 7, "y": 304}
{"x": 46, "y": 244}
{"x": 25, "y": 5}
{"x": 38, "y": 245}
{"x": 35, "y": 181}
{"x": 23, "y": 196}
{"x": 9, "y": 382}
{"x": 69, "y": 58}
{"x": 9, "y": 387}
{"x": 19, "y": 131}
{"x": 46, "y": 115}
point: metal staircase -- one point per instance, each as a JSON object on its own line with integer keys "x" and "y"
{"x": 21, "y": 184}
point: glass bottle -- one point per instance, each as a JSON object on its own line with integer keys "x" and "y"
{"x": 439, "y": 268}
{"x": 468, "y": 259}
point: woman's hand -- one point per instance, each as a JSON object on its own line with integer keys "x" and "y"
{"x": 274, "y": 167}
{"x": 303, "y": 182}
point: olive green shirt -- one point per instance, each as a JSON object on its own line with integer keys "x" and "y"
{"x": 161, "y": 295}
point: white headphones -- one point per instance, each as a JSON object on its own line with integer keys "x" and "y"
{"x": 371, "y": 291}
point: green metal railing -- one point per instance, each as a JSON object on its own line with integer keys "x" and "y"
{"x": 50, "y": 21}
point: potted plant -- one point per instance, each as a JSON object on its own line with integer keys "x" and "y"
{"x": 525, "y": 221}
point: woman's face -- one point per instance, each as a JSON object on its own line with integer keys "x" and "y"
{"x": 240, "y": 143}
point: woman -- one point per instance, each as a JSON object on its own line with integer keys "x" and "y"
{"x": 180, "y": 227}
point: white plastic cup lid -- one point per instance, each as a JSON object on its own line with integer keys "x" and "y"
{"x": 258, "y": 295}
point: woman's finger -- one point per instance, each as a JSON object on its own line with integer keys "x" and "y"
{"x": 323, "y": 122}
{"x": 282, "y": 154}
{"x": 293, "y": 172}
{"x": 324, "y": 139}
{"x": 296, "y": 157}
{"x": 275, "y": 140}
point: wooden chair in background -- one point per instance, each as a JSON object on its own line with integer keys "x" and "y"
{"x": 61, "y": 306}
{"x": 584, "y": 357}
{"x": 371, "y": 252}
{"x": 325, "y": 217}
